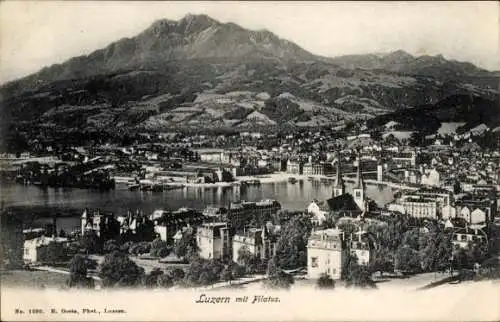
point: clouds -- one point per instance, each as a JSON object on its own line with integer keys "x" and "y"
{"x": 35, "y": 34}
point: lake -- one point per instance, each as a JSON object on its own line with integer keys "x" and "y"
{"x": 291, "y": 196}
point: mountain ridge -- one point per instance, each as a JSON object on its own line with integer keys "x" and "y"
{"x": 155, "y": 80}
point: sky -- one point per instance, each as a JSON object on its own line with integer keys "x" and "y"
{"x": 41, "y": 33}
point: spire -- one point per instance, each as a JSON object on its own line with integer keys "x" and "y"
{"x": 360, "y": 184}
{"x": 339, "y": 181}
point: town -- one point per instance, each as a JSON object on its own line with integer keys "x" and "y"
{"x": 442, "y": 216}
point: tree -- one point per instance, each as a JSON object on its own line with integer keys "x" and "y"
{"x": 204, "y": 272}
{"x": 238, "y": 271}
{"x": 78, "y": 268}
{"x": 146, "y": 231}
{"x": 140, "y": 248}
{"x": 407, "y": 259}
{"x": 151, "y": 280}
{"x": 90, "y": 242}
{"x": 186, "y": 244}
{"x": 125, "y": 247}
{"x": 276, "y": 278}
{"x": 490, "y": 269}
{"x": 347, "y": 226}
{"x": 435, "y": 249}
{"x": 165, "y": 281}
{"x": 325, "y": 282}
{"x": 461, "y": 262}
{"x": 175, "y": 273}
{"x": 382, "y": 261}
{"x": 359, "y": 276}
{"x": 110, "y": 246}
{"x": 291, "y": 248}
{"x": 118, "y": 270}
{"x": 356, "y": 275}
{"x": 272, "y": 267}
{"x": 52, "y": 253}
{"x": 411, "y": 238}
{"x": 227, "y": 273}
{"x": 232, "y": 271}
{"x": 476, "y": 252}
{"x": 159, "y": 248}
{"x": 244, "y": 256}
{"x": 347, "y": 264}
{"x": 62, "y": 233}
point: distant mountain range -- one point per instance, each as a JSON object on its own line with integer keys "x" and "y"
{"x": 201, "y": 73}
{"x": 401, "y": 62}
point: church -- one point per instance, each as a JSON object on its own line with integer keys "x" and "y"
{"x": 346, "y": 204}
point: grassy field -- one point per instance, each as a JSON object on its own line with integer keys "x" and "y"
{"x": 32, "y": 279}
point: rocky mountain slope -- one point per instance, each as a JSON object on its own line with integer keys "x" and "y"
{"x": 200, "y": 73}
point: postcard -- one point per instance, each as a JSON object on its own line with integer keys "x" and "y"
{"x": 249, "y": 161}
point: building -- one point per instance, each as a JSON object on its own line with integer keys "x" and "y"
{"x": 431, "y": 178}
{"x": 138, "y": 227}
{"x": 463, "y": 237}
{"x": 359, "y": 190}
{"x": 244, "y": 213}
{"x": 34, "y": 250}
{"x": 325, "y": 253}
{"x": 276, "y": 164}
{"x": 213, "y": 240}
{"x": 405, "y": 159}
{"x": 339, "y": 185}
{"x": 213, "y": 213}
{"x": 412, "y": 176}
{"x": 361, "y": 248}
{"x": 477, "y": 208}
{"x": 103, "y": 224}
{"x": 314, "y": 169}
{"x": 448, "y": 212}
{"x": 443, "y": 197}
{"x": 210, "y": 155}
{"x": 345, "y": 204}
{"x": 293, "y": 167}
{"x": 318, "y": 211}
{"x": 167, "y": 223}
{"x": 259, "y": 241}
{"x": 419, "y": 207}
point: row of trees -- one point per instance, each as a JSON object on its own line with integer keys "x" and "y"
{"x": 118, "y": 270}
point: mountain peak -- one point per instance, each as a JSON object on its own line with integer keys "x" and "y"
{"x": 189, "y": 24}
{"x": 400, "y": 54}
{"x": 195, "y": 36}
{"x": 196, "y": 22}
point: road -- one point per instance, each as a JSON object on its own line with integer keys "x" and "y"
{"x": 60, "y": 271}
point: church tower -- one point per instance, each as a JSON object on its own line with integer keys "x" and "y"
{"x": 359, "y": 189}
{"x": 84, "y": 220}
{"x": 380, "y": 166}
{"x": 339, "y": 186}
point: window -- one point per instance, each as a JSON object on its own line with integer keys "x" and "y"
{"x": 358, "y": 194}
{"x": 328, "y": 270}
{"x": 314, "y": 261}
